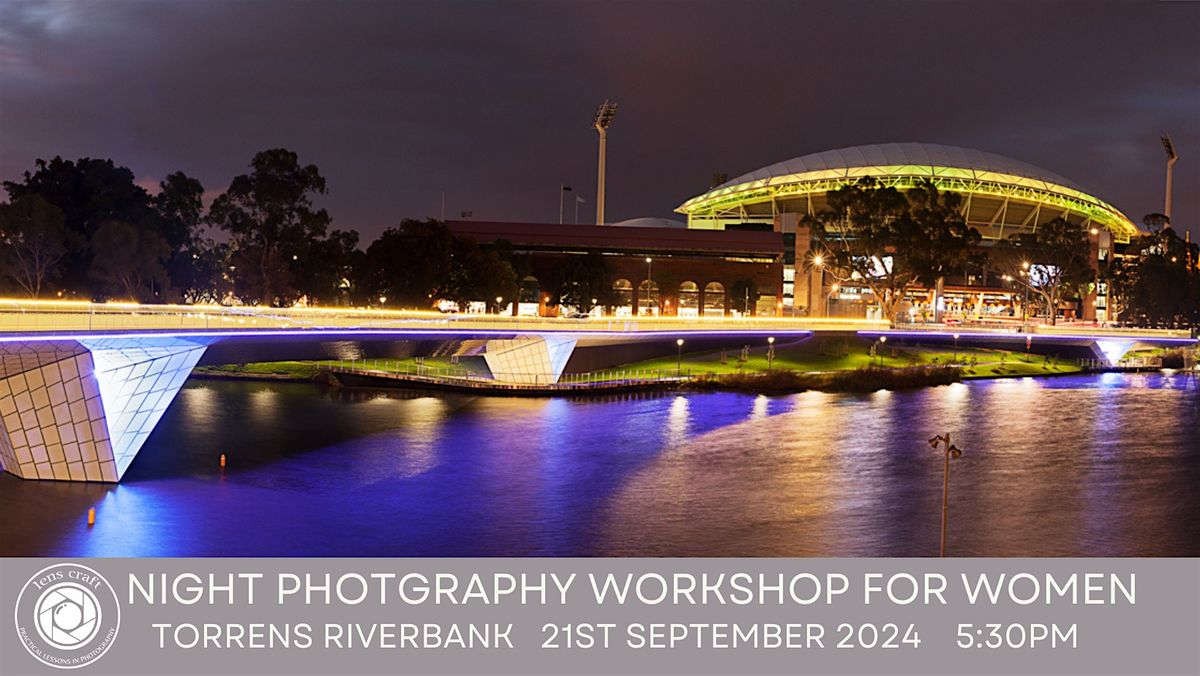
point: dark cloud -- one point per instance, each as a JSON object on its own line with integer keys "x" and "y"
{"x": 491, "y": 103}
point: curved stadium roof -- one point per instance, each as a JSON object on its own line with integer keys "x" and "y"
{"x": 963, "y": 170}
{"x": 889, "y": 154}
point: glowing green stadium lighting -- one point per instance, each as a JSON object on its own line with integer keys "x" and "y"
{"x": 733, "y": 199}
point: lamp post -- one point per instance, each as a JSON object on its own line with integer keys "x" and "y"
{"x": 956, "y": 348}
{"x": 649, "y": 281}
{"x": 818, "y": 262}
{"x": 882, "y": 340}
{"x": 562, "y": 190}
{"x": 678, "y": 357}
{"x": 1025, "y": 288}
{"x": 952, "y": 451}
{"x": 770, "y": 351}
{"x": 499, "y": 304}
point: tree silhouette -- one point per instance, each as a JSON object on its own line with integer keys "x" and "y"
{"x": 34, "y": 239}
{"x": 272, "y": 223}
{"x": 1052, "y": 262}
{"x": 888, "y": 241}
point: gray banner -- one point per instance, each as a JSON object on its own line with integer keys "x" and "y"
{"x": 530, "y": 616}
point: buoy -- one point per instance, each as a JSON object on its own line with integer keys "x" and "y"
{"x": 92, "y": 516}
{"x": 222, "y": 461}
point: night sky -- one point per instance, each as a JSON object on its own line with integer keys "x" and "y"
{"x": 397, "y": 102}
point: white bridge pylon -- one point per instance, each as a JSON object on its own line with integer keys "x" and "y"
{"x": 79, "y": 410}
{"x": 529, "y": 360}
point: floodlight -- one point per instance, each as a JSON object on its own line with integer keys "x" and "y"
{"x": 1169, "y": 147}
{"x": 604, "y": 115}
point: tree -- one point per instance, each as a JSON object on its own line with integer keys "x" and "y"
{"x": 584, "y": 282}
{"x": 409, "y": 265}
{"x": 34, "y": 240}
{"x": 191, "y": 266}
{"x": 1053, "y": 262}
{"x": 476, "y": 274}
{"x": 879, "y": 237}
{"x": 743, "y": 295}
{"x": 1156, "y": 221}
{"x": 324, "y": 272}
{"x": 272, "y": 223}
{"x": 89, "y": 192}
{"x": 1164, "y": 292}
{"x": 208, "y": 279}
{"x": 1120, "y": 276}
{"x": 180, "y": 208}
{"x": 949, "y": 243}
{"x": 129, "y": 262}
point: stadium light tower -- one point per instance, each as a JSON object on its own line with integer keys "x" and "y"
{"x": 1172, "y": 157}
{"x": 604, "y": 117}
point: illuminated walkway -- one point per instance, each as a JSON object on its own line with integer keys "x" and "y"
{"x": 26, "y": 316}
{"x": 82, "y": 385}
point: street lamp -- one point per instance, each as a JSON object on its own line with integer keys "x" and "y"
{"x": 770, "y": 351}
{"x": 956, "y": 348}
{"x": 1025, "y": 290}
{"x": 818, "y": 261}
{"x": 499, "y": 304}
{"x": 952, "y": 451}
{"x": 678, "y": 357}
{"x": 649, "y": 281}
{"x": 882, "y": 340}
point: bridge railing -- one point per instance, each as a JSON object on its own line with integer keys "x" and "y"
{"x": 71, "y": 316}
{"x": 1064, "y": 329}
{"x": 451, "y": 375}
{"x": 1126, "y": 363}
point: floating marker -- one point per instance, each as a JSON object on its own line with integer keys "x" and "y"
{"x": 222, "y": 461}
{"x": 92, "y": 516}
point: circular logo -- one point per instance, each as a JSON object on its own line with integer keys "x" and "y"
{"x": 67, "y": 615}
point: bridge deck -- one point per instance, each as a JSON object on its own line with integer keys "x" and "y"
{"x": 70, "y": 317}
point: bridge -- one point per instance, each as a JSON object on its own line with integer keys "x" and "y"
{"x": 82, "y": 385}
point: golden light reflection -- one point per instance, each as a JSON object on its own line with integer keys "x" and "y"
{"x": 199, "y": 403}
{"x": 412, "y": 449}
{"x": 677, "y": 421}
{"x": 770, "y": 455}
{"x": 264, "y": 402}
{"x": 761, "y": 402}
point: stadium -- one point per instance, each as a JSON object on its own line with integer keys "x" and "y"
{"x": 1001, "y": 197}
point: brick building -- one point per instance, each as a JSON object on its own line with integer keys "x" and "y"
{"x": 689, "y": 273}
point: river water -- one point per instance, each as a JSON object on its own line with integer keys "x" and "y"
{"x": 1099, "y": 465}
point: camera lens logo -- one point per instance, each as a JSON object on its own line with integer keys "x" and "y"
{"x": 67, "y": 616}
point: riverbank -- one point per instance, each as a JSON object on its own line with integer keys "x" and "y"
{"x": 901, "y": 368}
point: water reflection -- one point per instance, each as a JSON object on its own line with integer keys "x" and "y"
{"x": 1093, "y": 466}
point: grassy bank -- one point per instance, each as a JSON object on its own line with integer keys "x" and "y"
{"x": 818, "y": 358}
{"x": 311, "y": 370}
{"x": 274, "y": 370}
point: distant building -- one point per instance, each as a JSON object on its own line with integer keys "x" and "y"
{"x": 690, "y": 274}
